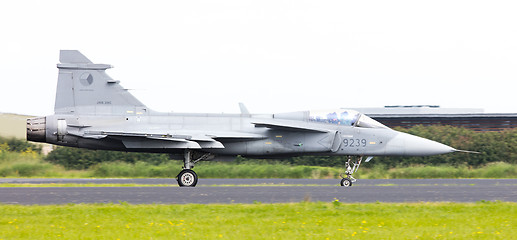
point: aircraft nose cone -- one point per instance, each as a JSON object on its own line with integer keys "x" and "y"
{"x": 409, "y": 145}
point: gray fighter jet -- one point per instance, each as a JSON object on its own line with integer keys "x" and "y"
{"x": 94, "y": 111}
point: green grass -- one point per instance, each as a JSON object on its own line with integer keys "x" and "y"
{"x": 30, "y": 164}
{"x": 214, "y": 170}
{"x": 482, "y": 220}
{"x": 257, "y": 169}
{"x": 492, "y": 170}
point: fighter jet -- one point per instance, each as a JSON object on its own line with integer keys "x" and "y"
{"x": 93, "y": 111}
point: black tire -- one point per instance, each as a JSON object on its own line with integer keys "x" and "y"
{"x": 346, "y": 182}
{"x": 187, "y": 178}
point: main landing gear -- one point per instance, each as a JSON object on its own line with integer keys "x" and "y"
{"x": 351, "y": 168}
{"x": 187, "y": 177}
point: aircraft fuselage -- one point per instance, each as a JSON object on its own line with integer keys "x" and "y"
{"x": 155, "y": 132}
{"x": 94, "y": 111}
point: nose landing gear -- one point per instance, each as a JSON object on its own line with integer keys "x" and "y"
{"x": 351, "y": 168}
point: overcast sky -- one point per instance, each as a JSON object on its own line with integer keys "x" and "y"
{"x": 275, "y": 56}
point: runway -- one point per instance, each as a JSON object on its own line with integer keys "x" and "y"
{"x": 260, "y": 190}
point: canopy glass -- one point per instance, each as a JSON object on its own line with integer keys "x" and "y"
{"x": 345, "y": 117}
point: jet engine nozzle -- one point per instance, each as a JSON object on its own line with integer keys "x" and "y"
{"x": 36, "y": 129}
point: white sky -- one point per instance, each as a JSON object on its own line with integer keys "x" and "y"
{"x": 273, "y": 55}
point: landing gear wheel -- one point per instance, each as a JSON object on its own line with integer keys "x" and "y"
{"x": 187, "y": 178}
{"x": 346, "y": 182}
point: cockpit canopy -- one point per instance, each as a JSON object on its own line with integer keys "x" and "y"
{"x": 344, "y": 117}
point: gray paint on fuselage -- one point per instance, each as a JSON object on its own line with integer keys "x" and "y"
{"x": 274, "y": 142}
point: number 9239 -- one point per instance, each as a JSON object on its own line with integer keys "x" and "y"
{"x": 354, "y": 142}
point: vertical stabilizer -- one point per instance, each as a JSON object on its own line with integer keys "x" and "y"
{"x": 72, "y": 56}
{"x": 84, "y": 87}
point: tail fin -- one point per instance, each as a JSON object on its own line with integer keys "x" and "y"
{"x": 84, "y": 87}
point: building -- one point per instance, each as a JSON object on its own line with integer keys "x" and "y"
{"x": 472, "y": 118}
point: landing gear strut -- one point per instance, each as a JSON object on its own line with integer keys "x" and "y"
{"x": 351, "y": 167}
{"x": 187, "y": 177}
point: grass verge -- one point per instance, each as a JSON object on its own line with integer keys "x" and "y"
{"x": 29, "y": 164}
{"x": 491, "y": 170}
{"x": 306, "y": 220}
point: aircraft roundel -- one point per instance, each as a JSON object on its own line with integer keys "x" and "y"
{"x": 86, "y": 79}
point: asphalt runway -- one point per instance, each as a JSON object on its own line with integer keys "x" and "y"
{"x": 261, "y": 190}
